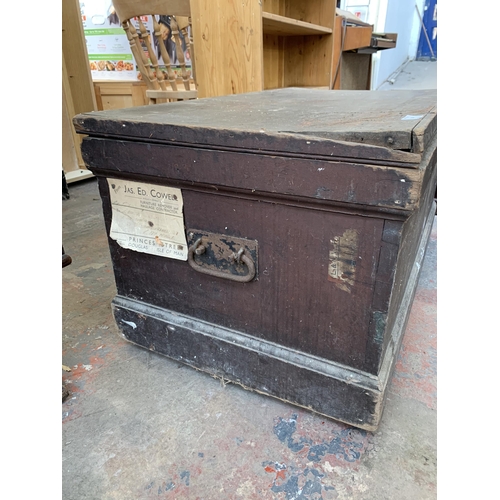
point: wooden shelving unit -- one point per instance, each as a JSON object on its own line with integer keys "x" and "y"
{"x": 273, "y": 24}
{"x": 247, "y": 46}
{"x": 262, "y": 44}
{"x": 77, "y": 91}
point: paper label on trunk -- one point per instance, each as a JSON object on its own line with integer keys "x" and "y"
{"x": 342, "y": 259}
{"x": 148, "y": 218}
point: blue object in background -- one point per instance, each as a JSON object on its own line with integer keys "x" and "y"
{"x": 429, "y": 16}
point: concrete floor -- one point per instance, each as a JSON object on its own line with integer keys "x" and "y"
{"x": 138, "y": 425}
{"x": 415, "y": 75}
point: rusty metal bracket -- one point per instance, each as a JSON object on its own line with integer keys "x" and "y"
{"x": 224, "y": 256}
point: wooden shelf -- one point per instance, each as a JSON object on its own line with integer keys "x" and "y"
{"x": 257, "y": 45}
{"x": 273, "y": 24}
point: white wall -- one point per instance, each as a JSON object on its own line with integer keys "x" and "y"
{"x": 394, "y": 16}
{"x": 416, "y": 28}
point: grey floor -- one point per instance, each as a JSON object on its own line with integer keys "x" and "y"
{"x": 138, "y": 425}
{"x": 419, "y": 75}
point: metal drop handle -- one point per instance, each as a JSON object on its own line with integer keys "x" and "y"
{"x": 238, "y": 257}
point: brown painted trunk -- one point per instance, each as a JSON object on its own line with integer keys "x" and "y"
{"x": 304, "y": 217}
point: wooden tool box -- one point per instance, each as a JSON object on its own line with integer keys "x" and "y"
{"x": 273, "y": 239}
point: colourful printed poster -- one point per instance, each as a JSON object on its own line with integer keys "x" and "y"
{"x": 110, "y": 56}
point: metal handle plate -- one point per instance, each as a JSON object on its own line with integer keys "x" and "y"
{"x": 222, "y": 256}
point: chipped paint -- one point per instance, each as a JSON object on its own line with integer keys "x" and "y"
{"x": 130, "y": 323}
{"x": 309, "y": 475}
{"x": 380, "y": 320}
{"x": 342, "y": 259}
{"x": 177, "y": 483}
{"x": 297, "y": 483}
{"x": 344, "y": 443}
{"x": 184, "y": 475}
{"x": 276, "y": 468}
